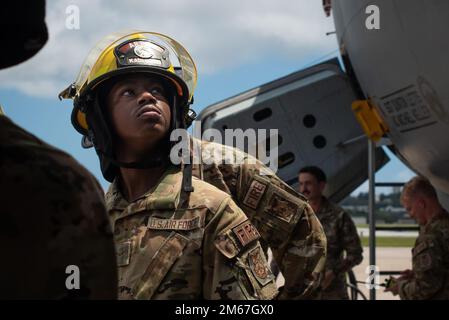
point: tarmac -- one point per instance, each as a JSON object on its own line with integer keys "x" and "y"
{"x": 382, "y": 233}
{"x": 387, "y": 259}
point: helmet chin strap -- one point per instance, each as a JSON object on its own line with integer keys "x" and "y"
{"x": 143, "y": 164}
{"x": 187, "y": 157}
{"x": 187, "y": 178}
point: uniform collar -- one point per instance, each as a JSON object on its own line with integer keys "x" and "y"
{"x": 443, "y": 213}
{"x": 165, "y": 195}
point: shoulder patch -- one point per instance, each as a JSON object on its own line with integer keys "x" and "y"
{"x": 282, "y": 208}
{"x": 232, "y": 241}
{"x": 226, "y": 245}
{"x": 246, "y": 233}
{"x": 259, "y": 266}
{"x": 254, "y": 194}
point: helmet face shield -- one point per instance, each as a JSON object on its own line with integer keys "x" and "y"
{"x": 132, "y": 52}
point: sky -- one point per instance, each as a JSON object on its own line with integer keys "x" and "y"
{"x": 237, "y": 45}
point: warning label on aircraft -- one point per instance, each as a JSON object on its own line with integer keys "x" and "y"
{"x": 407, "y": 110}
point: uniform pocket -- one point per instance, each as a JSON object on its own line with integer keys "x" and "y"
{"x": 159, "y": 265}
{"x": 148, "y": 247}
{"x": 149, "y": 264}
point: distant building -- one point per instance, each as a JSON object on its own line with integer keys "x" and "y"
{"x": 392, "y": 209}
{"x": 406, "y": 221}
{"x": 396, "y": 189}
{"x": 355, "y": 208}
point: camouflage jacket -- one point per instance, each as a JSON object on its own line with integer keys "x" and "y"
{"x": 283, "y": 217}
{"x": 342, "y": 237}
{"x": 174, "y": 246}
{"x": 53, "y": 216}
{"x": 430, "y": 263}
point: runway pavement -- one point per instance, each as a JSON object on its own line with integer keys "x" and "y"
{"x": 387, "y": 259}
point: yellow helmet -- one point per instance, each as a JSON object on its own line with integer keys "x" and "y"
{"x": 131, "y": 52}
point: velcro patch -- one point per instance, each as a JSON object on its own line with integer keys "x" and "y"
{"x": 282, "y": 208}
{"x": 259, "y": 266}
{"x": 254, "y": 194}
{"x": 246, "y": 233}
{"x": 227, "y": 246}
{"x": 173, "y": 224}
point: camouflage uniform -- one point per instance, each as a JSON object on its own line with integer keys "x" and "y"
{"x": 52, "y": 216}
{"x": 430, "y": 263}
{"x": 342, "y": 236}
{"x": 285, "y": 221}
{"x": 174, "y": 246}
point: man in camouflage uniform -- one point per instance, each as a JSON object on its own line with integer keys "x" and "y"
{"x": 429, "y": 277}
{"x": 174, "y": 246}
{"x": 177, "y": 237}
{"x": 285, "y": 221}
{"x": 54, "y": 225}
{"x": 340, "y": 231}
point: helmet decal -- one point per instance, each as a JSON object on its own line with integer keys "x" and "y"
{"x": 142, "y": 52}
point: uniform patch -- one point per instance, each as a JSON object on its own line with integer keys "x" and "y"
{"x": 174, "y": 224}
{"x": 282, "y": 208}
{"x": 246, "y": 233}
{"x": 258, "y": 265}
{"x": 254, "y": 194}
{"x": 123, "y": 253}
{"x": 226, "y": 246}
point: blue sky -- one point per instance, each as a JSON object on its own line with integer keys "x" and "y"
{"x": 236, "y": 45}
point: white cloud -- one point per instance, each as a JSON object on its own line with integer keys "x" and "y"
{"x": 218, "y": 34}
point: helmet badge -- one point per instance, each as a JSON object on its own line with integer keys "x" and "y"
{"x": 143, "y": 52}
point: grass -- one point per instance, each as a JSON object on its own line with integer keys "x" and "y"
{"x": 391, "y": 242}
